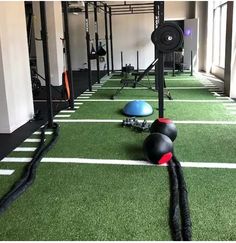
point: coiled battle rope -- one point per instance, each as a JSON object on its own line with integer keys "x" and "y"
{"x": 30, "y": 171}
{"x": 180, "y": 221}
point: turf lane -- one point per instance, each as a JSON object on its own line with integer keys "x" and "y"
{"x": 195, "y": 143}
{"x": 91, "y": 202}
{"x": 106, "y": 202}
{"x": 193, "y": 94}
{"x": 174, "y": 110}
{"x": 169, "y": 83}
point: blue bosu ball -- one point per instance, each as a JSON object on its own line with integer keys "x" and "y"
{"x": 137, "y": 108}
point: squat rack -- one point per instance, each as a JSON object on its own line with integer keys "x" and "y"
{"x": 156, "y": 8}
{"x": 107, "y": 12}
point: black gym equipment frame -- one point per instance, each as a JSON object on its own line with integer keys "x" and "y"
{"x": 96, "y": 39}
{"x": 88, "y": 46}
{"x": 104, "y": 7}
{"x": 111, "y": 40}
{"x": 44, "y": 37}
{"x": 106, "y": 38}
{"x": 159, "y": 67}
{"x": 67, "y": 50}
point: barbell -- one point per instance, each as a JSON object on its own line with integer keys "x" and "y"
{"x": 168, "y": 37}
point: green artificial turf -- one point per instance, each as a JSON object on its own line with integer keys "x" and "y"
{"x": 212, "y": 203}
{"x": 149, "y": 94}
{"x": 169, "y": 83}
{"x": 200, "y": 143}
{"x": 174, "y": 110}
{"x": 115, "y": 202}
{"x": 91, "y": 202}
{"x": 107, "y": 202}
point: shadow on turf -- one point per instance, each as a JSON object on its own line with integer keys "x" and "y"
{"x": 136, "y": 151}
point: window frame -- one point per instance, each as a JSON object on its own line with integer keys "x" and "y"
{"x": 218, "y": 5}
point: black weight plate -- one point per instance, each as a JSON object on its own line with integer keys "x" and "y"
{"x": 168, "y": 37}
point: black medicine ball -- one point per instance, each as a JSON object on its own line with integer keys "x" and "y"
{"x": 164, "y": 126}
{"x": 158, "y": 148}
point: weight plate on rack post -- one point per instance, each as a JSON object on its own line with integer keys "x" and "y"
{"x": 168, "y": 37}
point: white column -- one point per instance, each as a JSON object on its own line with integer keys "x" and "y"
{"x": 232, "y": 74}
{"x": 55, "y": 46}
{"x": 16, "y": 101}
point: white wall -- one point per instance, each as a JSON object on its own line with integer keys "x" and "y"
{"x": 201, "y": 14}
{"x": 55, "y": 46}
{"x": 130, "y": 33}
{"x": 16, "y": 101}
{"x": 191, "y": 42}
{"x": 78, "y": 41}
{"x": 179, "y": 10}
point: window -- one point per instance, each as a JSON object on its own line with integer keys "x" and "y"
{"x": 219, "y": 33}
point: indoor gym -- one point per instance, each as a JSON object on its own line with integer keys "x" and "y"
{"x": 118, "y": 120}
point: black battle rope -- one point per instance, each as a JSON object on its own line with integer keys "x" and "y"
{"x": 179, "y": 206}
{"x": 30, "y": 171}
{"x": 183, "y": 203}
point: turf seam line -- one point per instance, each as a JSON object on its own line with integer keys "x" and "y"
{"x": 149, "y": 121}
{"x": 176, "y": 100}
{"x": 214, "y": 165}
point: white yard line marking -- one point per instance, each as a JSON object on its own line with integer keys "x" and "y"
{"x": 6, "y": 172}
{"x": 76, "y": 107}
{"x": 216, "y": 94}
{"x": 222, "y": 97}
{"x": 24, "y": 149}
{"x": 86, "y": 95}
{"x": 217, "y": 165}
{"x": 230, "y": 107}
{"x": 190, "y": 101}
{"x": 149, "y": 121}
{"x": 230, "y": 104}
{"x": 89, "y": 92}
{"x": 46, "y": 133}
{"x": 67, "y": 111}
{"x": 215, "y": 89}
{"x": 62, "y": 116}
{"x": 32, "y": 140}
{"x": 78, "y": 103}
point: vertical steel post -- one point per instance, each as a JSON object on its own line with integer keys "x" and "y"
{"x": 96, "y": 38}
{"x": 67, "y": 50}
{"x": 88, "y": 46}
{"x": 106, "y": 37}
{"x": 159, "y": 67}
{"x": 173, "y": 73}
{"x": 137, "y": 61}
{"x": 111, "y": 41}
{"x": 44, "y": 37}
{"x": 191, "y": 56}
{"x": 121, "y": 60}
